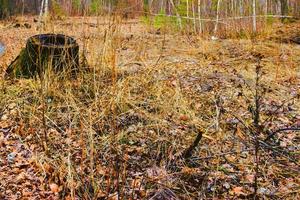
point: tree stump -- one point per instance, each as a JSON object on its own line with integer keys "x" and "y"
{"x": 46, "y": 52}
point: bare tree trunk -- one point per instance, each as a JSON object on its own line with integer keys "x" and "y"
{"x": 177, "y": 14}
{"x": 150, "y": 6}
{"x": 194, "y": 17}
{"x": 187, "y": 8}
{"x": 43, "y": 13}
{"x": 217, "y": 17}
{"x": 199, "y": 16}
{"x": 254, "y": 15}
{"x": 23, "y": 6}
{"x": 41, "y": 10}
{"x": 266, "y": 11}
{"x": 161, "y": 6}
{"x": 284, "y": 9}
{"x": 46, "y": 8}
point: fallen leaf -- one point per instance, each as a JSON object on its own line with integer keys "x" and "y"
{"x": 237, "y": 190}
{"x": 21, "y": 177}
{"x": 26, "y": 193}
{"x": 250, "y": 178}
{"x": 54, "y": 188}
{"x": 184, "y": 118}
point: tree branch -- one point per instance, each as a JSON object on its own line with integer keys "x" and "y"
{"x": 272, "y": 134}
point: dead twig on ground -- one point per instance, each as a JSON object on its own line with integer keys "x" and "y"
{"x": 189, "y": 151}
{"x": 272, "y": 134}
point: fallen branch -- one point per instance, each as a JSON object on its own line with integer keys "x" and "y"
{"x": 272, "y": 134}
{"x": 189, "y": 151}
{"x": 186, "y": 154}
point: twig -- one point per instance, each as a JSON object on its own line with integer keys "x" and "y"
{"x": 277, "y": 109}
{"x": 218, "y": 112}
{"x": 189, "y": 151}
{"x": 279, "y": 151}
{"x": 272, "y": 134}
{"x": 256, "y": 122}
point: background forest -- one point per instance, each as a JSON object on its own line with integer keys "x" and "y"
{"x": 204, "y": 16}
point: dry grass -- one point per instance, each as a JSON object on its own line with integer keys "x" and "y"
{"x": 118, "y": 130}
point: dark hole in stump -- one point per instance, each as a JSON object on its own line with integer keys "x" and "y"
{"x": 52, "y": 40}
{"x": 56, "y": 52}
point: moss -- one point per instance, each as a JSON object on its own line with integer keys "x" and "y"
{"x": 20, "y": 67}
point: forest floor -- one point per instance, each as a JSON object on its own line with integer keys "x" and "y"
{"x": 123, "y": 129}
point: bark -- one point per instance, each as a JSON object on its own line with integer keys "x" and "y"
{"x": 58, "y": 54}
{"x": 217, "y": 17}
{"x": 177, "y": 14}
{"x": 199, "y": 16}
{"x": 254, "y": 16}
{"x": 284, "y": 9}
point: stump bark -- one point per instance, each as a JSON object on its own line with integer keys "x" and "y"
{"x": 46, "y": 52}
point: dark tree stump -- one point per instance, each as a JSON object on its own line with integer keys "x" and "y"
{"x": 45, "y": 52}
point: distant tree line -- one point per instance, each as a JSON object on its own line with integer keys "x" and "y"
{"x": 16, "y": 7}
{"x": 186, "y": 7}
{"x": 202, "y": 15}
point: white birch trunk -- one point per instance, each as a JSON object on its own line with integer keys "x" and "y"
{"x": 187, "y": 8}
{"x": 254, "y": 15}
{"x": 199, "y": 16}
{"x": 217, "y": 18}
{"x": 266, "y": 11}
{"x": 194, "y": 17}
{"x": 46, "y": 8}
{"x": 42, "y": 9}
